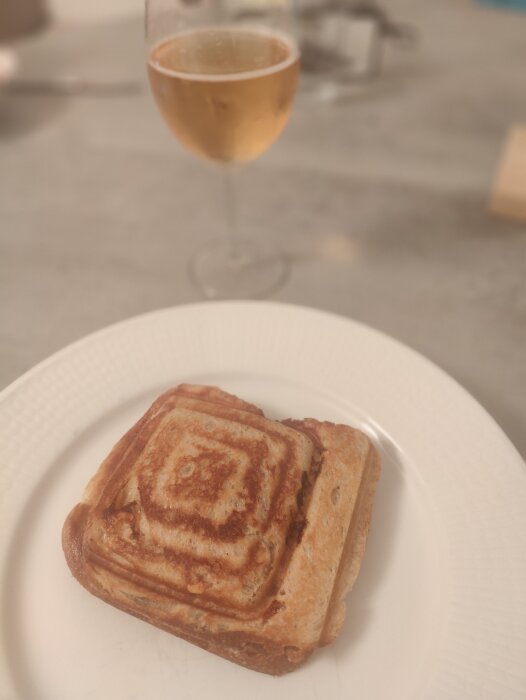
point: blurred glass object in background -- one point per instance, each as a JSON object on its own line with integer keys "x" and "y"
{"x": 343, "y": 44}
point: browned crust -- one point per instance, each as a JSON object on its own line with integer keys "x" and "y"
{"x": 353, "y": 552}
{"x": 308, "y": 610}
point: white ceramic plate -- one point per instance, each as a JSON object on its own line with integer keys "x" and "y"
{"x": 438, "y": 610}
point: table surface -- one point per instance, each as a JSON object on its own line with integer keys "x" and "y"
{"x": 380, "y": 199}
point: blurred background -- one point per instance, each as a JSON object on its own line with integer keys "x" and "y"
{"x": 398, "y": 189}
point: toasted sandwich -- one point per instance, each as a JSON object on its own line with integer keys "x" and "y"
{"x": 237, "y": 533}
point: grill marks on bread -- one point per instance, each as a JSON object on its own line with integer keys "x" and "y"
{"x": 211, "y": 507}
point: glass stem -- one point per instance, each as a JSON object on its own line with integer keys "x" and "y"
{"x": 231, "y": 211}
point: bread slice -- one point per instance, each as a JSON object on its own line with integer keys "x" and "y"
{"x": 238, "y": 533}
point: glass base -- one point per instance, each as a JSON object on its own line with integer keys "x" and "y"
{"x": 238, "y": 268}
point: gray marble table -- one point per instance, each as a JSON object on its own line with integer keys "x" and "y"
{"x": 380, "y": 200}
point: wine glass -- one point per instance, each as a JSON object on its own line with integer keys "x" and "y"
{"x": 224, "y": 74}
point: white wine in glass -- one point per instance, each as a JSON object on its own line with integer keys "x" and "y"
{"x": 225, "y": 87}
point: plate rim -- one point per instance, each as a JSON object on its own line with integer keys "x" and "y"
{"x": 114, "y": 327}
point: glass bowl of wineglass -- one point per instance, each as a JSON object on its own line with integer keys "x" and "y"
{"x": 224, "y": 75}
